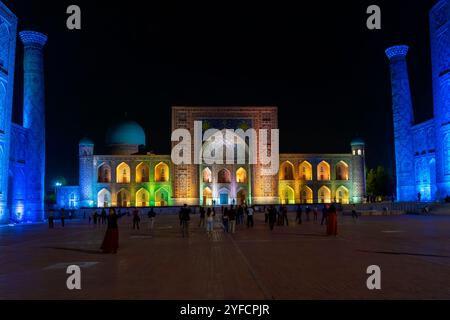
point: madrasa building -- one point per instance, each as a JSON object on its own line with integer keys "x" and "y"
{"x": 127, "y": 176}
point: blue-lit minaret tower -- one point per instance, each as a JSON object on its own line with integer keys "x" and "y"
{"x": 403, "y": 121}
{"x": 440, "y": 53}
{"x": 34, "y": 120}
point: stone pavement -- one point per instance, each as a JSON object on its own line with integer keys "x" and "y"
{"x": 295, "y": 262}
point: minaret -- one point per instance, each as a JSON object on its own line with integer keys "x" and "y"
{"x": 86, "y": 178}
{"x": 358, "y": 171}
{"x": 403, "y": 120}
{"x": 440, "y": 57}
{"x": 34, "y": 120}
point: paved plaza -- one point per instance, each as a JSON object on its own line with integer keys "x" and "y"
{"x": 295, "y": 262}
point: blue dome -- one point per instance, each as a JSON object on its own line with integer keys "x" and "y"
{"x": 127, "y": 132}
{"x": 86, "y": 142}
{"x": 357, "y": 142}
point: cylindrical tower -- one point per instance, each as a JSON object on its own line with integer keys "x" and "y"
{"x": 86, "y": 152}
{"x": 403, "y": 120}
{"x": 440, "y": 56}
{"x": 34, "y": 120}
{"x": 358, "y": 171}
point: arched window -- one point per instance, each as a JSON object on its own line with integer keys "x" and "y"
{"x": 241, "y": 175}
{"x": 103, "y": 198}
{"x": 324, "y": 194}
{"x": 142, "y": 173}
{"x": 161, "y": 197}
{"x": 123, "y": 173}
{"x": 287, "y": 171}
{"x": 104, "y": 173}
{"x": 224, "y": 176}
{"x": 142, "y": 198}
{"x": 306, "y": 195}
{"x": 305, "y": 171}
{"x": 323, "y": 171}
{"x": 207, "y": 175}
{"x": 287, "y": 195}
{"x": 123, "y": 198}
{"x": 342, "y": 195}
{"x": 342, "y": 171}
{"x": 161, "y": 172}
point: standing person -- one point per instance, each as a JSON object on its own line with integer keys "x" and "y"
{"x": 103, "y": 216}
{"x": 111, "y": 240}
{"x": 225, "y": 219}
{"x": 315, "y": 213}
{"x": 284, "y": 216}
{"x": 298, "y": 218}
{"x": 136, "y": 219}
{"x": 151, "y": 223}
{"x": 332, "y": 221}
{"x": 266, "y": 214}
{"x": 209, "y": 221}
{"x": 250, "y": 212}
{"x": 354, "y": 213}
{"x": 185, "y": 218}
{"x": 95, "y": 217}
{"x": 201, "y": 223}
{"x": 272, "y": 217}
{"x": 240, "y": 215}
{"x": 308, "y": 212}
{"x": 232, "y": 217}
{"x": 324, "y": 215}
{"x": 51, "y": 219}
{"x": 63, "y": 217}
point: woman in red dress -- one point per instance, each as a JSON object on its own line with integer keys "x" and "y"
{"x": 332, "y": 221}
{"x": 111, "y": 240}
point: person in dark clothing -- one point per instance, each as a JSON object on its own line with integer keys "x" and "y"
{"x": 298, "y": 218}
{"x": 151, "y": 224}
{"x": 354, "y": 213}
{"x": 225, "y": 219}
{"x": 284, "y": 216}
{"x": 266, "y": 214}
{"x": 51, "y": 220}
{"x": 111, "y": 239}
{"x": 103, "y": 216}
{"x": 250, "y": 221}
{"x": 95, "y": 217}
{"x": 136, "y": 219}
{"x": 63, "y": 216}
{"x": 315, "y": 213}
{"x": 324, "y": 215}
{"x": 272, "y": 217}
{"x": 332, "y": 221}
{"x": 201, "y": 223}
{"x": 232, "y": 218}
{"x": 240, "y": 215}
{"x": 308, "y": 213}
{"x": 185, "y": 217}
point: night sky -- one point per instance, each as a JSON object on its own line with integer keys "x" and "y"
{"x": 315, "y": 60}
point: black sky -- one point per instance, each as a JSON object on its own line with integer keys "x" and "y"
{"x": 315, "y": 60}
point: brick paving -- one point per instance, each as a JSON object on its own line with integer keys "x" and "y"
{"x": 295, "y": 262}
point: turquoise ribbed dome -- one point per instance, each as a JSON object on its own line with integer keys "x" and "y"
{"x": 357, "y": 142}
{"x": 86, "y": 142}
{"x": 126, "y": 132}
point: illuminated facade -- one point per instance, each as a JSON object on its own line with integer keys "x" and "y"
{"x": 22, "y": 148}
{"x": 128, "y": 176}
{"x": 422, "y": 151}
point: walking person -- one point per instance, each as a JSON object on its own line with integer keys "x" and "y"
{"x": 209, "y": 221}
{"x": 111, "y": 239}
{"x": 232, "y": 218}
{"x": 250, "y": 212}
{"x": 240, "y": 215}
{"x": 185, "y": 217}
{"x": 136, "y": 219}
{"x": 201, "y": 223}
{"x": 284, "y": 216}
{"x": 151, "y": 221}
{"x": 51, "y": 219}
{"x": 63, "y": 216}
{"x": 332, "y": 221}
{"x": 324, "y": 215}
{"x": 298, "y": 218}
{"x": 272, "y": 217}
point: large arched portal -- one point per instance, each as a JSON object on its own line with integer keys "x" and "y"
{"x": 241, "y": 197}
{"x": 207, "y": 196}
